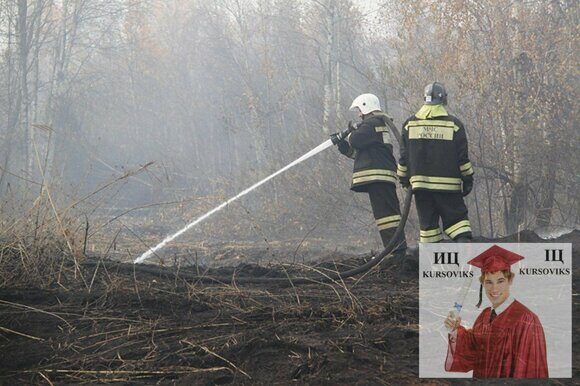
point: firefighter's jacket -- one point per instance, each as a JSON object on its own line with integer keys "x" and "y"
{"x": 434, "y": 151}
{"x": 371, "y": 146}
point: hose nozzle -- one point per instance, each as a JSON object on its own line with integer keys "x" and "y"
{"x": 341, "y": 135}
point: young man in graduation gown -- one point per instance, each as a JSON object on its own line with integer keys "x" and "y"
{"x": 507, "y": 339}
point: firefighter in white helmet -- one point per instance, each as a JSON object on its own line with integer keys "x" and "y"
{"x": 370, "y": 145}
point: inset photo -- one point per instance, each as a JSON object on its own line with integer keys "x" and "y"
{"x": 495, "y": 310}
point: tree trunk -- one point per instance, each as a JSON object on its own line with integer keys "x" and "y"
{"x": 330, "y": 16}
{"x": 521, "y": 67}
{"x": 11, "y": 132}
{"x": 23, "y": 50}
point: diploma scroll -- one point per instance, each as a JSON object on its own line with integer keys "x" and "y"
{"x": 458, "y": 304}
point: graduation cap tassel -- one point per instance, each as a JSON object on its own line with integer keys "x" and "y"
{"x": 480, "y": 295}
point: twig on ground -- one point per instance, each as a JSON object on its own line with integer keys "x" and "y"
{"x": 20, "y": 333}
{"x": 16, "y": 305}
{"x": 180, "y": 370}
{"x": 218, "y": 356}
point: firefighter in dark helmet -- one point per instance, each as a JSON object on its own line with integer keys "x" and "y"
{"x": 370, "y": 145}
{"x": 434, "y": 162}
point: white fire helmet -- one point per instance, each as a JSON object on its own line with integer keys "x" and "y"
{"x": 367, "y": 103}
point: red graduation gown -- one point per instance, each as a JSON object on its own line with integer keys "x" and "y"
{"x": 512, "y": 346}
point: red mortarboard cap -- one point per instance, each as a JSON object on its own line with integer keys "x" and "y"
{"x": 495, "y": 259}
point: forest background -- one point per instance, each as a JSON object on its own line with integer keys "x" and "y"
{"x": 123, "y": 120}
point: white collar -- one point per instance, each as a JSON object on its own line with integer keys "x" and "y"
{"x": 501, "y": 308}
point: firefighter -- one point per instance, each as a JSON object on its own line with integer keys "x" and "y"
{"x": 370, "y": 145}
{"x": 435, "y": 163}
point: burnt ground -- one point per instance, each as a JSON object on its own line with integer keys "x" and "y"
{"x": 105, "y": 323}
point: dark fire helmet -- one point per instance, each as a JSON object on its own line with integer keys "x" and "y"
{"x": 435, "y": 94}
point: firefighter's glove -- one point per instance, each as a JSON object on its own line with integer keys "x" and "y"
{"x": 404, "y": 182}
{"x": 467, "y": 186}
{"x": 344, "y": 148}
{"x": 340, "y": 136}
{"x": 336, "y": 138}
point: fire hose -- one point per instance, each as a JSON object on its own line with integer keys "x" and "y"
{"x": 322, "y": 278}
{"x": 335, "y": 139}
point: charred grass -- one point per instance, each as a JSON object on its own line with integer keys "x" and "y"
{"x": 100, "y": 323}
{"x": 74, "y": 320}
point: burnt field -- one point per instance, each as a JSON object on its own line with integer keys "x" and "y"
{"x": 99, "y": 321}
